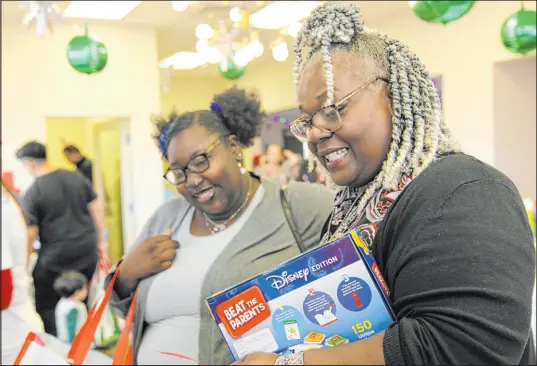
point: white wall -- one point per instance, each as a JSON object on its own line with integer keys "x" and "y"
{"x": 38, "y": 82}
{"x": 515, "y": 122}
{"x": 464, "y": 53}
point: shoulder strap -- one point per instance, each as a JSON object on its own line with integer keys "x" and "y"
{"x": 290, "y": 221}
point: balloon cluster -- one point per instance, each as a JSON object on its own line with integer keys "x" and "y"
{"x": 443, "y": 12}
{"x": 86, "y": 54}
{"x": 229, "y": 69}
{"x": 225, "y": 41}
{"x": 518, "y": 31}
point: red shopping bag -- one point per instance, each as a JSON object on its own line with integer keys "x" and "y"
{"x": 109, "y": 329}
{"x": 35, "y": 352}
{"x": 123, "y": 352}
{"x": 83, "y": 340}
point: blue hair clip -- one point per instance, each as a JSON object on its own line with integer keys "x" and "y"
{"x": 162, "y": 140}
{"x": 215, "y": 107}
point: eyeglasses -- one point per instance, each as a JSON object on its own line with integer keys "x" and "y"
{"x": 198, "y": 164}
{"x": 326, "y": 119}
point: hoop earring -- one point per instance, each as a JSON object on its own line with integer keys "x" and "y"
{"x": 241, "y": 167}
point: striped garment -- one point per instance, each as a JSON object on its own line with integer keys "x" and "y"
{"x": 70, "y": 316}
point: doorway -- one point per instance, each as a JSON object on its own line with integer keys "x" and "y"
{"x": 108, "y": 181}
{"x": 514, "y": 122}
{"x": 106, "y": 142}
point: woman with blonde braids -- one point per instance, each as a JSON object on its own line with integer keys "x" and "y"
{"x": 448, "y": 232}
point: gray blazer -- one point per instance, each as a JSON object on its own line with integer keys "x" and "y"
{"x": 263, "y": 242}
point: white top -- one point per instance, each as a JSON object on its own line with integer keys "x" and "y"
{"x": 21, "y": 317}
{"x": 173, "y": 302}
{"x": 70, "y": 316}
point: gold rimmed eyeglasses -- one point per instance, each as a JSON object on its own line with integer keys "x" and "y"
{"x": 198, "y": 164}
{"x": 326, "y": 119}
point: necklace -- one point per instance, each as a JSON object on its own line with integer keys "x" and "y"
{"x": 218, "y": 227}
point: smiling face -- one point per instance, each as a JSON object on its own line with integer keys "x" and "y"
{"x": 218, "y": 191}
{"x": 353, "y": 155}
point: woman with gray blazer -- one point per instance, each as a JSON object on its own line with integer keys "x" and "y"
{"x": 227, "y": 226}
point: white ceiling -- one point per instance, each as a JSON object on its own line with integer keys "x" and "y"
{"x": 176, "y": 30}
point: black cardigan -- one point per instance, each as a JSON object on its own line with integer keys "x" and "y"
{"x": 458, "y": 255}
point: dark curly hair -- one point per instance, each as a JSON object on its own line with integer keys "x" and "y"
{"x": 234, "y": 111}
{"x": 69, "y": 282}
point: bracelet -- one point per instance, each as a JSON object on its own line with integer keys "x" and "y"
{"x": 291, "y": 359}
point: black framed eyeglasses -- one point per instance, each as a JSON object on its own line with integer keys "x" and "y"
{"x": 326, "y": 119}
{"x": 198, "y": 164}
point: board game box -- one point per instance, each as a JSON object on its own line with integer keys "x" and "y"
{"x": 325, "y": 297}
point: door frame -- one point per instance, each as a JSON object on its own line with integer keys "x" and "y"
{"x": 127, "y": 193}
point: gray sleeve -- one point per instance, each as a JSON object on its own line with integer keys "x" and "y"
{"x": 311, "y": 205}
{"x": 167, "y": 216}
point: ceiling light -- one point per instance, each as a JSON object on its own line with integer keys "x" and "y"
{"x": 212, "y": 54}
{"x": 110, "y": 10}
{"x": 279, "y": 14}
{"x": 204, "y": 31}
{"x": 202, "y": 45}
{"x": 244, "y": 56}
{"x": 294, "y": 28}
{"x": 180, "y": 5}
{"x": 257, "y": 47}
{"x": 280, "y": 52}
{"x": 235, "y": 14}
{"x": 183, "y": 61}
{"x": 248, "y": 52}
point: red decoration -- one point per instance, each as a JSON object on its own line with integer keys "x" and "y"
{"x": 9, "y": 181}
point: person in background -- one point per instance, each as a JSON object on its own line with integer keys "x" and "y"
{"x": 290, "y": 166}
{"x": 272, "y": 168}
{"x": 305, "y": 175}
{"x": 449, "y": 233}
{"x": 259, "y": 160}
{"x": 71, "y": 312}
{"x": 227, "y": 225}
{"x": 83, "y": 164}
{"x": 66, "y": 216}
{"x": 85, "y": 167}
{"x": 18, "y": 313}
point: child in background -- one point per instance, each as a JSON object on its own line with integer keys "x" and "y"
{"x": 71, "y": 313}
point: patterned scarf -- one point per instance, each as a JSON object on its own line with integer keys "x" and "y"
{"x": 346, "y": 218}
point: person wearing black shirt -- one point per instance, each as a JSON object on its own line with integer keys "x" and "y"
{"x": 64, "y": 213}
{"x": 449, "y": 233}
{"x": 83, "y": 164}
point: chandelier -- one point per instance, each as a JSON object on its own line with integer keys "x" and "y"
{"x": 235, "y": 37}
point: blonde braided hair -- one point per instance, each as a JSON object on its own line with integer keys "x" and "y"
{"x": 419, "y": 134}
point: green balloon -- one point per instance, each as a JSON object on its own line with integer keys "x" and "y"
{"x": 86, "y": 54}
{"x": 441, "y": 11}
{"x": 518, "y": 31}
{"x": 230, "y": 70}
